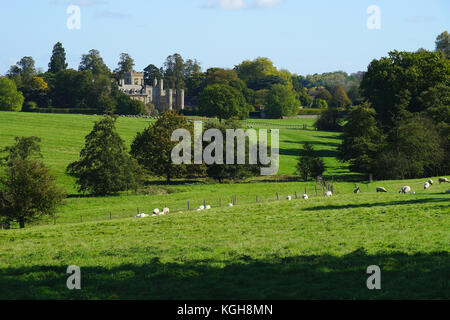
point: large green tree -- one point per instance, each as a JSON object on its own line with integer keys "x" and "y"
{"x": 94, "y": 62}
{"x": 174, "y": 71}
{"x": 152, "y": 72}
{"x": 224, "y": 171}
{"x": 152, "y": 148}
{"x": 281, "y": 101}
{"x": 414, "y": 150}
{"x": 362, "y": 140}
{"x": 10, "y": 98}
{"x": 394, "y": 84}
{"x": 125, "y": 65}
{"x": 22, "y": 72}
{"x": 224, "y": 102}
{"x": 443, "y": 43}
{"x": 105, "y": 167}
{"x": 58, "y": 59}
{"x": 28, "y": 191}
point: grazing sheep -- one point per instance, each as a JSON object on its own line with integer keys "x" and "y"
{"x": 166, "y": 210}
{"x": 305, "y": 197}
{"x": 381, "y": 189}
{"x": 142, "y": 215}
{"x": 328, "y": 194}
{"x": 426, "y": 185}
{"x": 230, "y": 205}
{"x": 405, "y": 190}
{"x": 447, "y": 192}
{"x": 156, "y": 211}
{"x": 430, "y": 181}
{"x": 201, "y": 208}
{"x": 356, "y": 190}
{"x": 443, "y": 180}
{"x": 207, "y": 207}
{"x": 288, "y": 198}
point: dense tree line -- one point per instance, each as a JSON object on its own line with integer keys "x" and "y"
{"x": 403, "y": 129}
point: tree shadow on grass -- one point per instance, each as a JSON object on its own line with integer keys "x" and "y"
{"x": 419, "y": 276}
{"x": 377, "y": 204}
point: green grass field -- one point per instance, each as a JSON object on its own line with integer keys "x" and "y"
{"x": 314, "y": 249}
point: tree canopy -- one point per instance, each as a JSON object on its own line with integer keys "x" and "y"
{"x": 58, "y": 59}
{"x": 105, "y": 167}
{"x": 10, "y": 98}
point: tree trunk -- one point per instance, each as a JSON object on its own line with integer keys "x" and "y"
{"x": 22, "y": 223}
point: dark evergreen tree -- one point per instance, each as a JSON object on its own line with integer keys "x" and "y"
{"x": 58, "y": 59}
{"x": 105, "y": 167}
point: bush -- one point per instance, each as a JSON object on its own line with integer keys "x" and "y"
{"x": 329, "y": 120}
{"x": 319, "y": 104}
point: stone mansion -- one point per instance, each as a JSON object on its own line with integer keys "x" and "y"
{"x": 169, "y": 99}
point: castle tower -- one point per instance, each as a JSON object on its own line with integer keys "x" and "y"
{"x": 161, "y": 87}
{"x": 180, "y": 99}
{"x": 169, "y": 99}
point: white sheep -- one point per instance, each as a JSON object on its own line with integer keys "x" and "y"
{"x": 405, "y": 190}
{"x": 426, "y": 185}
{"x": 443, "y": 180}
{"x": 166, "y": 210}
{"x": 288, "y": 198}
{"x": 156, "y": 211}
{"x": 381, "y": 189}
{"x": 230, "y": 205}
{"x": 430, "y": 181}
{"x": 328, "y": 194}
{"x": 207, "y": 207}
{"x": 305, "y": 197}
{"x": 142, "y": 215}
{"x": 201, "y": 208}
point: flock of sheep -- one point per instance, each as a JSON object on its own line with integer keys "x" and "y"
{"x": 404, "y": 190}
{"x": 407, "y": 189}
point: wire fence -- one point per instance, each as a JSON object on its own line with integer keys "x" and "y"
{"x": 180, "y": 207}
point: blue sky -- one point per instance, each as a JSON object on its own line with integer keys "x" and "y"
{"x": 304, "y": 37}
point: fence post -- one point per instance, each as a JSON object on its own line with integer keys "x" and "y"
{"x": 110, "y": 215}
{"x": 296, "y": 197}
{"x": 54, "y": 221}
{"x": 220, "y": 202}
{"x": 256, "y": 198}
{"x": 278, "y": 197}
{"x": 204, "y": 203}
{"x": 137, "y": 210}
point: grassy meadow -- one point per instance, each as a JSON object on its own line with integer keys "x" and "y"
{"x": 260, "y": 249}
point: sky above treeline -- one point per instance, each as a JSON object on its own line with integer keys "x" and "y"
{"x": 304, "y": 37}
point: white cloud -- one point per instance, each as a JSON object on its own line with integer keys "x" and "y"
{"x": 241, "y": 4}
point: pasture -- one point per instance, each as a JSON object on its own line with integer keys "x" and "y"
{"x": 265, "y": 249}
